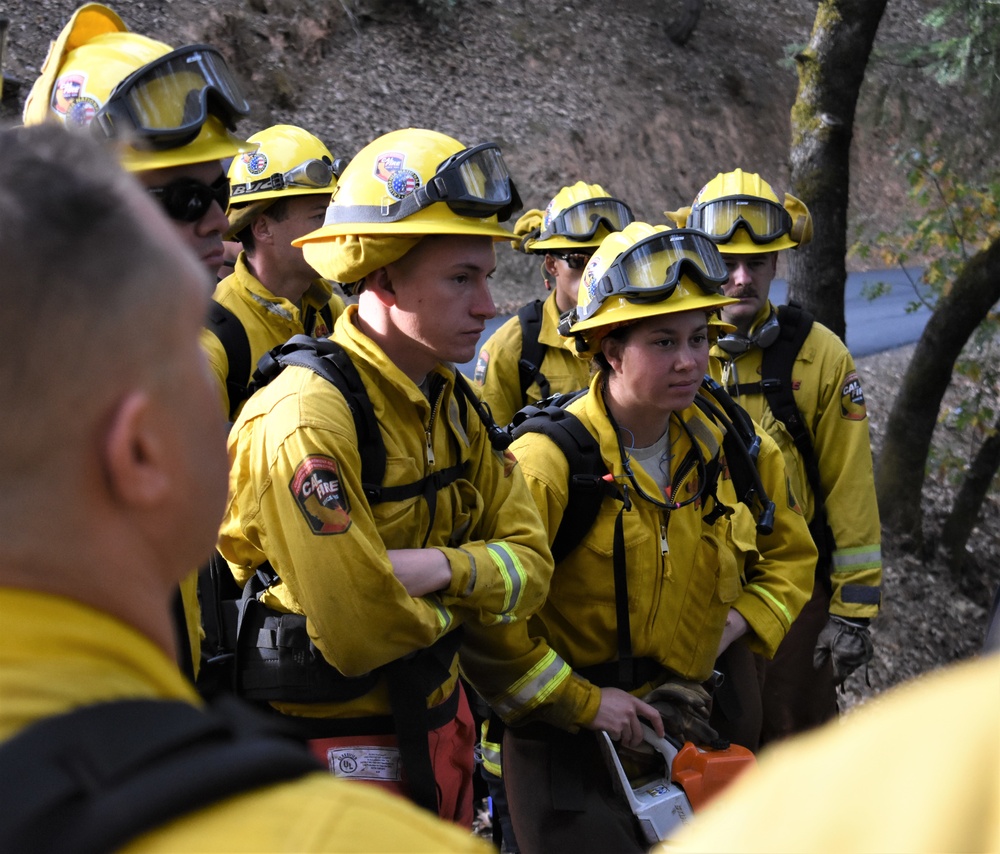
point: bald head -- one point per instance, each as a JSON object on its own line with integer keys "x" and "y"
{"x": 87, "y": 266}
{"x": 109, "y": 427}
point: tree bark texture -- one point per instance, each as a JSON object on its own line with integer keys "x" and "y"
{"x": 831, "y": 70}
{"x": 899, "y": 475}
{"x": 969, "y": 501}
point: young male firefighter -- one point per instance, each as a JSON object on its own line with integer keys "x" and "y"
{"x": 170, "y": 114}
{"x": 670, "y": 568}
{"x": 277, "y": 193}
{"x": 527, "y": 359}
{"x": 388, "y": 568}
{"x": 798, "y": 381}
{"x": 104, "y": 745}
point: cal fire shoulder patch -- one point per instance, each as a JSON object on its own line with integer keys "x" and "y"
{"x": 482, "y": 366}
{"x": 318, "y": 492}
{"x": 852, "y": 399}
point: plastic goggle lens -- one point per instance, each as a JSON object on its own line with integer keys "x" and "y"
{"x": 763, "y": 220}
{"x": 188, "y": 200}
{"x": 581, "y": 220}
{"x": 475, "y": 182}
{"x": 165, "y": 103}
{"x": 650, "y": 270}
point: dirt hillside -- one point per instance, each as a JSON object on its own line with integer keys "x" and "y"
{"x": 594, "y": 91}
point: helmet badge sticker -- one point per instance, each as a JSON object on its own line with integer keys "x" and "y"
{"x": 255, "y": 161}
{"x": 398, "y": 181}
{"x": 70, "y": 102}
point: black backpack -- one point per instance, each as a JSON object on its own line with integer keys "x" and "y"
{"x": 91, "y": 780}
{"x": 226, "y": 326}
{"x": 587, "y": 470}
{"x": 588, "y": 487}
{"x": 777, "y": 360}
{"x": 529, "y": 368}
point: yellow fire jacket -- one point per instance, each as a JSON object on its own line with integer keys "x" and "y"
{"x": 61, "y": 655}
{"x": 828, "y": 394}
{"x": 907, "y": 799}
{"x": 683, "y": 573}
{"x": 296, "y": 500}
{"x": 497, "y": 372}
{"x": 268, "y": 320}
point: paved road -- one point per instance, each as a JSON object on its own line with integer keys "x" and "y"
{"x": 872, "y": 325}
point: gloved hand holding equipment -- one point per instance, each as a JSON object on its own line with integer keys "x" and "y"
{"x": 846, "y": 643}
{"x": 685, "y": 707}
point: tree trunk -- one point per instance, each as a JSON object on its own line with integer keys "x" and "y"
{"x": 831, "y": 69}
{"x": 965, "y": 510}
{"x": 899, "y": 476}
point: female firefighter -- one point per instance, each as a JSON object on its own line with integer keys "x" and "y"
{"x": 671, "y": 569}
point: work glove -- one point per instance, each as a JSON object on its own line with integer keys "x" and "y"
{"x": 684, "y": 706}
{"x": 846, "y": 643}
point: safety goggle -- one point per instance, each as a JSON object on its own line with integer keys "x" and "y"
{"x": 188, "y": 200}
{"x": 650, "y": 270}
{"x": 315, "y": 174}
{"x": 763, "y": 220}
{"x": 580, "y": 221}
{"x": 474, "y": 183}
{"x": 574, "y": 260}
{"x": 164, "y": 104}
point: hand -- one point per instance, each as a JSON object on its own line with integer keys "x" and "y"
{"x": 846, "y": 643}
{"x": 420, "y": 571}
{"x": 684, "y": 707}
{"x": 618, "y": 715}
{"x": 736, "y": 626}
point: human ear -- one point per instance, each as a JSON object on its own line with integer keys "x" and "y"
{"x": 135, "y": 456}
{"x": 379, "y": 282}
{"x": 261, "y": 230}
{"x": 611, "y": 348}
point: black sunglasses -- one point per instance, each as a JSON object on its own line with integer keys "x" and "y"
{"x": 574, "y": 260}
{"x": 188, "y": 200}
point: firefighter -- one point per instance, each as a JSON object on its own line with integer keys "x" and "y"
{"x": 671, "y": 570}
{"x": 130, "y": 468}
{"x": 126, "y": 87}
{"x": 829, "y": 462}
{"x": 526, "y": 359}
{"x": 137, "y": 94}
{"x": 279, "y": 192}
{"x": 386, "y": 586}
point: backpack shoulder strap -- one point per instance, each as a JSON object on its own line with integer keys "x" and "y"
{"x": 529, "y": 368}
{"x": 226, "y": 326}
{"x": 329, "y": 360}
{"x": 586, "y": 466}
{"x": 95, "y": 778}
{"x": 741, "y": 446}
{"x": 776, "y": 384}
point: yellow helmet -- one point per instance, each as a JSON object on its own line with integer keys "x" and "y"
{"x": 418, "y": 182}
{"x": 578, "y": 217}
{"x": 742, "y": 214}
{"x": 171, "y": 108}
{"x": 643, "y": 271}
{"x": 288, "y": 161}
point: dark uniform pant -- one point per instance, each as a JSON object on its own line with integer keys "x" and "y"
{"x": 561, "y": 795}
{"x": 796, "y": 696}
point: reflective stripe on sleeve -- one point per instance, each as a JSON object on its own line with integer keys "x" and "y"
{"x": 770, "y": 596}
{"x": 859, "y": 557}
{"x": 513, "y": 577}
{"x": 532, "y": 689}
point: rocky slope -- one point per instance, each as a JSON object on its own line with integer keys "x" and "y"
{"x": 594, "y": 91}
